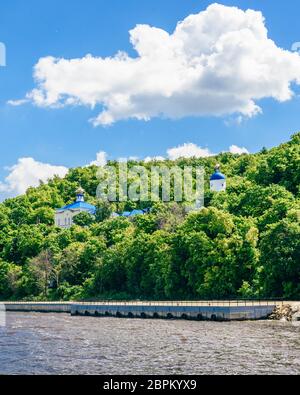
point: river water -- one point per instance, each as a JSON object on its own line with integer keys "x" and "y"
{"x": 60, "y": 344}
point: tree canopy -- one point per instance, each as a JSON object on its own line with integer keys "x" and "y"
{"x": 244, "y": 243}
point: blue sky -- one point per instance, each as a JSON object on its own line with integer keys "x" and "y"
{"x": 71, "y": 29}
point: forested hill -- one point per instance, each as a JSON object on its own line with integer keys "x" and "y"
{"x": 245, "y": 243}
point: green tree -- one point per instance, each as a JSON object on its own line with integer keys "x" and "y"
{"x": 103, "y": 211}
{"x": 42, "y": 215}
{"x": 280, "y": 258}
{"x": 83, "y": 219}
{"x": 25, "y": 243}
{"x": 71, "y": 264}
{"x": 41, "y": 269}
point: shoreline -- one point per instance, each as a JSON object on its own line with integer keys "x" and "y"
{"x": 289, "y": 312}
{"x": 200, "y": 311}
{"x": 205, "y": 310}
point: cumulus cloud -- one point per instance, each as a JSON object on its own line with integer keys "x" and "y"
{"x": 188, "y": 150}
{"x": 234, "y": 149}
{"x": 154, "y": 158}
{"x": 127, "y": 159}
{"x": 101, "y": 159}
{"x": 191, "y": 150}
{"x": 28, "y": 173}
{"x": 217, "y": 62}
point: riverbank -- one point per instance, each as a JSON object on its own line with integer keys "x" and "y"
{"x": 287, "y": 312}
{"x": 206, "y": 310}
{"x": 213, "y": 310}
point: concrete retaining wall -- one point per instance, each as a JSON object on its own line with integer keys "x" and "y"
{"x": 39, "y": 307}
{"x": 179, "y": 310}
{"x": 217, "y": 313}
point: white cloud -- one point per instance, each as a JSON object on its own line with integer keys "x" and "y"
{"x": 101, "y": 159}
{"x": 188, "y": 150}
{"x": 127, "y": 159}
{"x": 217, "y": 62}
{"x": 16, "y": 103}
{"x": 235, "y": 121}
{"x": 154, "y": 158}
{"x": 28, "y": 173}
{"x": 234, "y": 149}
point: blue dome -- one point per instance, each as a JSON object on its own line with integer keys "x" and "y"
{"x": 80, "y": 205}
{"x": 217, "y": 176}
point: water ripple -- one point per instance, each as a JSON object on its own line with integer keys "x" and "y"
{"x": 60, "y": 344}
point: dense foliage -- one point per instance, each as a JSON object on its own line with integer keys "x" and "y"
{"x": 245, "y": 243}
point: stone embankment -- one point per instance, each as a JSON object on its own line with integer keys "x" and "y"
{"x": 187, "y": 310}
{"x": 214, "y": 310}
{"x": 287, "y": 312}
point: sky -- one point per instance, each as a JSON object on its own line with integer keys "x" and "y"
{"x": 91, "y": 80}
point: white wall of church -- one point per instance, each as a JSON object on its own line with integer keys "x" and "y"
{"x": 64, "y": 219}
{"x": 218, "y": 185}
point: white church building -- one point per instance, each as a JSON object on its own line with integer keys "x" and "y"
{"x": 218, "y": 181}
{"x": 64, "y": 216}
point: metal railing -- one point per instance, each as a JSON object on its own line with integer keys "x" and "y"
{"x": 216, "y": 303}
{"x": 36, "y": 303}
